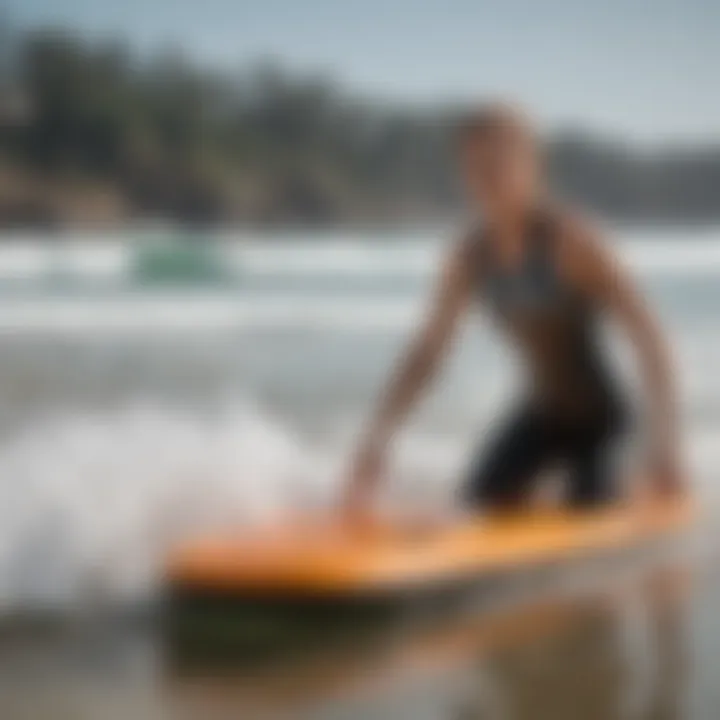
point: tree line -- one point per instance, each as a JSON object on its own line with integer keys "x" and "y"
{"x": 97, "y": 131}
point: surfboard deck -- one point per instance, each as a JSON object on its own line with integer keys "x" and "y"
{"x": 328, "y": 559}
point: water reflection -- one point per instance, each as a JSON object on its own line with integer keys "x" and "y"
{"x": 614, "y": 657}
{"x": 638, "y": 649}
{"x": 611, "y": 654}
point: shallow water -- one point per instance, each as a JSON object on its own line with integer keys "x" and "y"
{"x": 640, "y": 643}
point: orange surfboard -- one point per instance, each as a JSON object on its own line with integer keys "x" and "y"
{"x": 329, "y": 559}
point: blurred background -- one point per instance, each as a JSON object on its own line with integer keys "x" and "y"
{"x": 218, "y": 224}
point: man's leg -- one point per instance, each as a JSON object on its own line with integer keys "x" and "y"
{"x": 506, "y": 470}
{"x": 593, "y": 472}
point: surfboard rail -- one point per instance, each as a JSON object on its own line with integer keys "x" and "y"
{"x": 327, "y": 559}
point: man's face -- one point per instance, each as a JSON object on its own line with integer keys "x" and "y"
{"x": 499, "y": 168}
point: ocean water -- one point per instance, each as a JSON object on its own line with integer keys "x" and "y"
{"x": 132, "y": 413}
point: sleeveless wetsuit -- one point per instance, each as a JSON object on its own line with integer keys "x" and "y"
{"x": 572, "y": 413}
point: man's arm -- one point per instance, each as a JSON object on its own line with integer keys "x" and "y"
{"x": 417, "y": 367}
{"x": 600, "y": 273}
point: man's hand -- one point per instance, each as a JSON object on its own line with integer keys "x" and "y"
{"x": 420, "y": 362}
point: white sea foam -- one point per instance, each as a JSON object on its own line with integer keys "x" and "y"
{"x": 36, "y": 257}
{"x": 89, "y": 504}
{"x": 176, "y": 312}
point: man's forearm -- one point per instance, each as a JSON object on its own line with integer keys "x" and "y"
{"x": 416, "y": 370}
{"x": 664, "y": 423}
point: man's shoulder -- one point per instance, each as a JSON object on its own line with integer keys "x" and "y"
{"x": 581, "y": 248}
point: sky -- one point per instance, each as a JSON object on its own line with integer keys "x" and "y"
{"x": 643, "y": 69}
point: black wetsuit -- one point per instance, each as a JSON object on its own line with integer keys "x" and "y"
{"x": 573, "y": 412}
